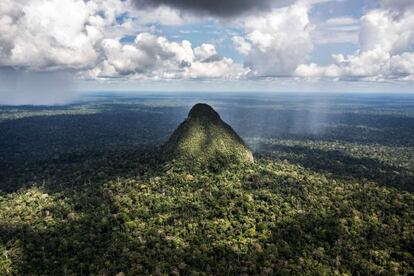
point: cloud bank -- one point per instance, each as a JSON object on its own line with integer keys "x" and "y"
{"x": 129, "y": 40}
{"x": 386, "y": 41}
{"x": 153, "y": 57}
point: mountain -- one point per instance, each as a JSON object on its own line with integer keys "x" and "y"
{"x": 205, "y": 137}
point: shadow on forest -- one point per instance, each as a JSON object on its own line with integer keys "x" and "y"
{"x": 342, "y": 165}
{"x": 67, "y": 247}
{"x": 87, "y": 236}
{"x": 99, "y": 243}
{"x": 103, "y": 245}
{"x": 73, "y": 170}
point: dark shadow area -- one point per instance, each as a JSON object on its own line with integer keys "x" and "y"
{"x": 58, "y": 149}
{"x": 87, "y": 237}
{"x": 341, "y": 165}
{"x": 105, "y": 241}
{"x": 77, "y": 169}
{"x": 81, "y": 238}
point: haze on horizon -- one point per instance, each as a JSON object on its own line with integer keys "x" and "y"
{"x": 52, "y": 50}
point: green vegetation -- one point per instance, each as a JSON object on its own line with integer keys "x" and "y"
{"x": 205, "y": 138}
{"x": 86, "y": 194}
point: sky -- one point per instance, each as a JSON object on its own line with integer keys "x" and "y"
{"x": 54, "y": 49}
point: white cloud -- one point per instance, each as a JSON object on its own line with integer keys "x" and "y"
{"x": 205, "y": 52}
{"x": 402, "y": 64}
{"x": 163, "y": 15}
{"x": 85, "y": 36}
{"x": 53, "y": 34}
{"x": 242, "y": 46}
{"x": 45, "y": 35}
{"x": 386, "y": 41}
{"x": 153, "y": 57}
{"x": 275, "y": 43}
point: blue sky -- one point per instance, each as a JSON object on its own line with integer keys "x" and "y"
{"x": 279, "y": 45}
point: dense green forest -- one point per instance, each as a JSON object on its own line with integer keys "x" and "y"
{"x": 331, "y": 191}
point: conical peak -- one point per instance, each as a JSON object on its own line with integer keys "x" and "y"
{"x": 204, "y": 137}
{"x": 203, "y": 111}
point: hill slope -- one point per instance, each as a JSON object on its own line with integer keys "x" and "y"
{"x": 204, "y": 137}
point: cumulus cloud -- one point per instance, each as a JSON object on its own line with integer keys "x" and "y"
{"x": 53, "y": 34}
{"x": 220, "y": 8}
{"x": 93, "y": 39}
{"x": 386, "y": 41}
{"x": 154, "y": 57}
{"x": 85, "y": 36}
{"x": 163, "y": 15}
{"x": 276, "y": 42}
